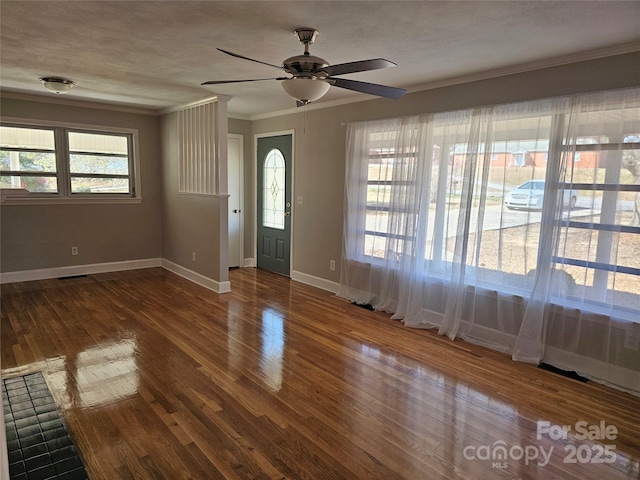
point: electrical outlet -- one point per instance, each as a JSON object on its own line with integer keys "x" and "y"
{"x": 74, "y": 250}
{"x": 332, "y": 265}
{"x": 193, "y": 256}
{"x": 632, "y": 340}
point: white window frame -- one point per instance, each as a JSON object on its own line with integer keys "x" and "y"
{"x": 64, "y": 195}
{"x": 603, "y": 227}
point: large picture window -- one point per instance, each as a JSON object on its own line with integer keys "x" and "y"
{"x": 502, "y": 224}
{"x": 447, "y": 197}
{"x": 60, "y": 162}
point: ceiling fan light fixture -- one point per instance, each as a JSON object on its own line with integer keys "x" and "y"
{"x": 306, "y": 90}
{"x": 57, "y": 85}
{"x": 311, "y": 76}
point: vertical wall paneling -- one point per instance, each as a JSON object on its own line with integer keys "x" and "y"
{"x": 221, "y": 144}
{"x": 197, "y": 131}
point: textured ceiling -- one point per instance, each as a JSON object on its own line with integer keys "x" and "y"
{"x": 154, "y": 55}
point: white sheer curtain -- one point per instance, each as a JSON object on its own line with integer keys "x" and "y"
{"x": 432, "y": 233}
{"x": 384, "y": 196}
{"x": 590, "y": 324}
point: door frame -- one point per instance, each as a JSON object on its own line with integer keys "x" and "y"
{"x": 241, "y": 165}
{"x": 254, "y": 191}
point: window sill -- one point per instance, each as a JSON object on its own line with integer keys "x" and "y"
{"x": 586, "y": 306}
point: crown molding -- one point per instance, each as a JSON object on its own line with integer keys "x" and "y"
{"x": 530, "y": 66}
{"x": 211, "y": 99}
{"x": 73, "y": 102}
{"x": 238, "y": 116}
{"x": 446, "y": 82}
{"x": 494, "y": 73}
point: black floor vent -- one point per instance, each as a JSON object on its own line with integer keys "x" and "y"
{"x": 71, "y": 277}
{"x": 366, "y": 306}
{"x": 564, "y": 373}
{"x": 38, "y": 444}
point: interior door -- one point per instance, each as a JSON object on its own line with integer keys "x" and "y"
{"x": 236, "y": 215}
{"x": 274, "y": 203}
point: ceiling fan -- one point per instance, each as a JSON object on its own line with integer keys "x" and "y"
{"x": 312, "y": 76}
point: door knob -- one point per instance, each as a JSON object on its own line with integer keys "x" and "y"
{"x": 237, "y": 210}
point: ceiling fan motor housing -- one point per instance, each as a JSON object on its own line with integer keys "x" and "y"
{"x": 305, "y": 66}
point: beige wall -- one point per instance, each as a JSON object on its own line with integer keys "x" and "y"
{"x": 172, "y": 226}
{"x": 191, "y": 223}
{"x": 41, "y": 236}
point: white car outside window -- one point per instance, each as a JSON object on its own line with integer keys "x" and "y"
{"x": 530, "y": 196}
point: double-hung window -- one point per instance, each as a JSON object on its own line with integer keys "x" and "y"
{"x": 99, "y": 163}
{"x": 61, "y": 163}
{"x": 28, "y": 159}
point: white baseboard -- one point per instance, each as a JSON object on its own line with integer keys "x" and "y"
{"x": 314, "y": 281}
{"x": 70, "y": 271}
{"x": 616, "y": 376}
{"x": 195, "y": 277}
{"x": 218, "y": 287}
{"x": 249, "y": 263}
{"x": 60, "y": 272}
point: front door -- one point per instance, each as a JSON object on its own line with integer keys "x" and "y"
{"x": 274, "y": 203}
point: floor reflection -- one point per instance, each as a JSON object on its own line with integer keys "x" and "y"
{"x": 440, "y": 414}
{"x": 272, "y": 340}
{"x": 96, "y": 376}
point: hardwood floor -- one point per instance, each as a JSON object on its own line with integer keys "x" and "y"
{"x": 157, "y": 377}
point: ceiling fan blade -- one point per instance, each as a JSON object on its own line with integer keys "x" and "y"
{"x": 370, "y": 88}
{"x": 360, "y": 66}
{"x": 250, "y": 59}
{"x": 218, "y": 82}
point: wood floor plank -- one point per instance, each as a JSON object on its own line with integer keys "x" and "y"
{"x": 157, "y": 377}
